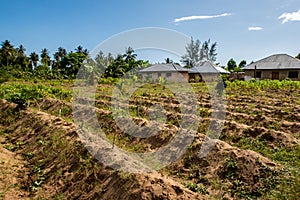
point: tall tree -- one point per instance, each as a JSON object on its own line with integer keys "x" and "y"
{"x": 242, "y": 64}
{"x": 45, "y": 58}
{"x": 208, "y": 52}
{"x": 195, "y": 53}
{"x": 212, "y": 56}
{"x": 129, "y": 54}
{"x": 117, "y": 68}
{"x": 8, "y": 53}
{"x": 59, "y": 55}
{"x": 21, "y": 50}
{"x": 130, "y": 59}
{"x": 168, "y": 60}
{"x": 124, "y": 64}
{"x": 102, "y": 61}
{"x": 80, "y": 49}
{"x": 231, "y": 64}
{"x": 22, "y": 59}
{"x": 34, "y": 58}
{"x": 192, "y": 56}
{"x": 73, "y": 61}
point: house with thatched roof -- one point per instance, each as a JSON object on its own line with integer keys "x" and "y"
{"x": 278, "y": 66}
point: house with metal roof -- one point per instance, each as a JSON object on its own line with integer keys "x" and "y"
{"x": 278, "y": 66}
{"x": 205, "y": 70}
{"x": 169, "y": 71}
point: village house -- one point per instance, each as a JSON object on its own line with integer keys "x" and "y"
{"x": 278, "y": 66}
{"x": 170, "y": 72}
{"x": 206, "y": 71}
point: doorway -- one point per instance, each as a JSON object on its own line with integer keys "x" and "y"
{"x": 275, "y": 75}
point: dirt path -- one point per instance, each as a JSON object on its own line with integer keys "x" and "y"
{"x": 11, "y": 173}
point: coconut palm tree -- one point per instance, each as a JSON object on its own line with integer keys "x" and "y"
{"x": 21, "y": 50}
{"x": 129, "y": 54}
{"x": 45, "y": 58}
{"x": 80, "y": 49}
{"x": 60, "y": 54}
{"x": 22, "y": 59}
{"x": 8, "y": 52}
{"x": 34, "y": 58}
{"x": 58, "y": 57}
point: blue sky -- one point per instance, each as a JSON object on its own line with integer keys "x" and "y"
{"x": 243, "y": 29}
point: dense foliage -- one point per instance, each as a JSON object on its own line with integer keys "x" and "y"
{"x": 255, "y": 85}
{"x": 23, "y": 94}
{"x": 15, "y": 64}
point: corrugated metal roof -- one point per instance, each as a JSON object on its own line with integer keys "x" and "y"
{"x": 221, "y": 70}
{"x": 171, "y": 67}
{"x": 203, "y": 68}
{"x": 277, "y": 61}
{"x": 207, "y": 67}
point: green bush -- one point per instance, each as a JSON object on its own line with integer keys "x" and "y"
{"x": 21, "y": 93}
{"x": 253, "y": 84}
{"x": 108, "y": 80}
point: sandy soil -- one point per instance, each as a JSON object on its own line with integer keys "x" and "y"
{"x": 11, "y": 174}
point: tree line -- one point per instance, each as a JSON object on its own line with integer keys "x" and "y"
{"x": 15, "y": 63}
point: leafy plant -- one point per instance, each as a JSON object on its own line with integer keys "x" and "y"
{"x": 197, "y": 188}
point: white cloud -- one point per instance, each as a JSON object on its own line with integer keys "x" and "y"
{"x": 294, "y": 16}
{"x": 255, "y": 28}
{"x": 195, "y": 17}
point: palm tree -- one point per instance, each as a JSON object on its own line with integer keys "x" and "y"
{"x": 80, "y": 49}
{"x": 58, "y": 57}
{"x": 34, "y": 58}
{"x": 8, "y": 52}
{"x": 129, "y": 54}
{"x": 130, "y": 59}
{"x": 61, "y": 52}
{"x": 117, "y": 68}
{"x": 109, "y": 59}
{"x": 22, "y": 59}
{"x": 168, "y": 61}
{"x": 45, "y": 58}
{"x": 21, "y": 50}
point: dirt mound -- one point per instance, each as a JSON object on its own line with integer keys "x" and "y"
{"x": 243, "y": 171}
{"x": 153, "y": 186}
{"x": 11, "y": 175}
{"x": 58, "y": 166}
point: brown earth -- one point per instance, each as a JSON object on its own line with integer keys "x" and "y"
{"x": 66, "y": 174}
{"x": 12, "y": 173}
{"x": 49, "y": 161}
